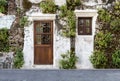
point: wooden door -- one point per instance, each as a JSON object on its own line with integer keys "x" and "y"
{"x": 43, "y": 42}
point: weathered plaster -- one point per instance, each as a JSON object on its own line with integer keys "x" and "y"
{"x": 61, "y": 44}
{"x": 60, "y": 2}
{"x": 6, "y": 21}
{"x": 35, "y": 1}
{"x": 85, "y": 43}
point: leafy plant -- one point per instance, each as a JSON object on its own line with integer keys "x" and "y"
{"x": 98, "y": 59}
{"x": 68, "y": 60}
{"x": 71, "y": 4}
{"x": 23, "y": 21}
{"x": 18, "y": 59}
{"x": 116, "y": 58}
{"x": 69, "y": 30}
{"x": 3, "y": 3}
{"x": 102, "y": 40}
{"x": 48, "y": 6}
{"x": 63, "y": 11}
{"x": 107, "y": 39}
{"x": 104, "y": 15}
{"x": 4, "y": 42}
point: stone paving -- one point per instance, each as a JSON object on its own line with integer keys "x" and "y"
{"x": 59, "y": 75}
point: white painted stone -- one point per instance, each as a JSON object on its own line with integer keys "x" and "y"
{"x": 35, "y": 1}
{"x": 6, "y": 21}
{"x": 85, "y": 43}
{"x": 60, "y": 2}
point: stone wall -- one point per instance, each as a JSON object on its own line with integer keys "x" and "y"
{"x": 6, "y": 60}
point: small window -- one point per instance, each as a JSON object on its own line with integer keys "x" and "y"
{"x": 84, "y": 26}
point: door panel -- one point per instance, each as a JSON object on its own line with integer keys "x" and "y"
{"x": 43, "y": 42}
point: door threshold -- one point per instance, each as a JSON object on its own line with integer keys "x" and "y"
{"x": 43, "y": 67}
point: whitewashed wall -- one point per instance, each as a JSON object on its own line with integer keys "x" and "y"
{"x": 6, "y": 21}
{"x": 60, "y": 2}
{"x": 61, "y": 44}
{"x": 85, "y": 43}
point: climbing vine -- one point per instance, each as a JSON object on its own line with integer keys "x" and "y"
{"x": 107, "y": 40}
{"x": 4, "y": 42}
{"x": 48, "y": 6}
{"x": 18, "y": 59}
{"x": 3, "y": 4}
{"x": 67, "y": 14}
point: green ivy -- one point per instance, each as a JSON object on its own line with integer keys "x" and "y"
{"x": 107, "y": 39}
{"x": 69, "y": 31}
{"x": 71, "y": 4}
{"x": 99, "y": 59}
{"x": 102, "y": 40}
{"x": 48, "y": 6}
{"x": 18, "y": 59}
{"x": 68, "y": 60}
{"x": 3, "y": 3}
{"x": 63, "y": 11}
{"x": 23, "y": 21}
{"x": 116, "y": 58}
{"x": 104, "y": 15}
{"x": 4, "y": 42}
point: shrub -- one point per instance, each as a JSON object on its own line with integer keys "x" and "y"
{"x": 68, "y": 60}
{"x": 102, "y": 40}
{"x": 23, "y": 21}
{"x": 3, "y": 3}
{"x": 98, "y": 59}
{"x": 71, "y": 4}
{"x": 48, "y": 6}
{"x": 107, "y": 38}
{"x": 116, "y": 58}
{"x": 63, "y": 11}
{"x": 4, "y": 42}
{"x": 18, "y": 59}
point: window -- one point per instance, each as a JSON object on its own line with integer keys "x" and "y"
{"x": 85, "y": 26}
{"x": 43, "y": 32}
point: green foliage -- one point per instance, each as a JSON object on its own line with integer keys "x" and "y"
{"x": 26, "y": 5}
{"x": 116, "y": 58}
{"x": 104, "y": 15}
{"x": 69, "y": 30}
{"x": 102, "y": 40}
{"x": 71, "y": 4}
{"x": 63, "y": 11}
{"x": 115, "y": 25}
{"x": 48, "y": 6}
{"x": 23, "y": 21}
{"x": 107, "y": 39}
{"x": 3, "y": 3}
{"x": 98, "y": 59}
{"x": 4, "y": 42}
{"x": 18, "y": 59}
{"x": 68, "y": 60}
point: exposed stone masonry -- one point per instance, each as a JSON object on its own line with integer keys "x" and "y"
{"x": 6, "y": 60}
